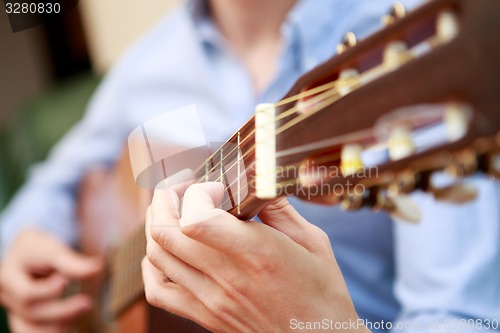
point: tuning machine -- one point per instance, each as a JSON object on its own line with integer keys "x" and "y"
{"x": 398, "y": 11}
{"x": 353, "y": 201}
{"x": 400, "y": 143}
{"x": 463, "y": 164}
{"x": 349, "y": 40}
{"x": 396, "y": 52}
{"x": 493, "y": 164}
{"x": 404, "y": 183}
{"x": 400, "y": 206}
{"x": 348, "y": 77}
{"x": 447, "y": 25}
{"x": 458, "y": 193}
{"x": 379, "y": 198}
{"x": 351, "y": 159}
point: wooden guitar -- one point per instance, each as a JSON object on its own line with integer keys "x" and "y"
{"x": 355, "y": 122}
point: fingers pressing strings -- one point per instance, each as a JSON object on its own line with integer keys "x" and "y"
{"x": 191, "y": 264}
{"x": 173, "y": 253}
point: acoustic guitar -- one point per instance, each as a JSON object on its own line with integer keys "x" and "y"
{"x": 360, "y": 122}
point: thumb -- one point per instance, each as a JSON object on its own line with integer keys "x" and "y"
{"x": 200, "y": 202}
{"x": 281, "y": 216}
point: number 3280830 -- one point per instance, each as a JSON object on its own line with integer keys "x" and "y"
{"x": 32, "y": 8}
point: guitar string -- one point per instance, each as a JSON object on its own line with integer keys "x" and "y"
{"x": 330, "y": 87}
{"x": 297, "y": 121}
{"x": 331, "y": 90}
{"x": 318, "y": 103}
{"x": 325, "y": 158}
{"x": 358, "y": 136}
{"x": 325, "y": 87}
{"x": 253, "y": 147}
{"x": 329, "y": 97}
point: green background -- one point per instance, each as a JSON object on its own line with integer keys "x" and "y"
{"x": 28, "y": 136}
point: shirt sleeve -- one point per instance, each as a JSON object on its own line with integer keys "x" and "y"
{"x": 47, "y": 200}
{"x": 448, "y": 266}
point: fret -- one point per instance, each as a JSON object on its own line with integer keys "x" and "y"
{"x": 238, "y": 151}
{"x": 221, "y": 164}
{"x": 207, "y": 170}
{"x": 226, "y": 166}
{"x": 212, "y": 176}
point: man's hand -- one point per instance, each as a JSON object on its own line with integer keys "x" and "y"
{"x": 33, "y": 276}
{"x": 234, "y": 276}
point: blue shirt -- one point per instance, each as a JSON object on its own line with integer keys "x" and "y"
{"x": 446, "y": 267}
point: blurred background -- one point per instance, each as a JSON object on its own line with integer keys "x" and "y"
{"x": 48, "y": 73}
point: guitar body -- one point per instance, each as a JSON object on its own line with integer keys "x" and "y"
{"x": 111, "y": 209}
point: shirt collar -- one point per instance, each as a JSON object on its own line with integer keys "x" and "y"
{"x": 309, "y": 17}
{"x": 303, "y": 30}
{"x": 207, "y": 31}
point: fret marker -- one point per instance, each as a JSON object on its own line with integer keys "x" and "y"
{"x": 265, "y": 151}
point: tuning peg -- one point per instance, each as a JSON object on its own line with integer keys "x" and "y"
{"x": 398, "y": 11}
{"x": 459, "y": 193}
{"x": 456, "y": 120}
{"x": 463, "y": 164}
{"x": 400, "y": 206}
{"x": 400, "y": 144}
{"x": 302, "y": 106}
{"x": 404, "y": 183}
{"x": 350, "y": 159}
{"x": 396, "y": 54}
{"x": 349, "y": 40}
{"x": 405, "y": 209}
{"x": 348, "y": 81}
{"x": 347, "y": 77}
{"x": 493, "y": 165}
{"x": 447, "y": 25}
{"x": 352, "y": 201}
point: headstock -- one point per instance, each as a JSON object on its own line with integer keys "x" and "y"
{"x": 433, "y": 70}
